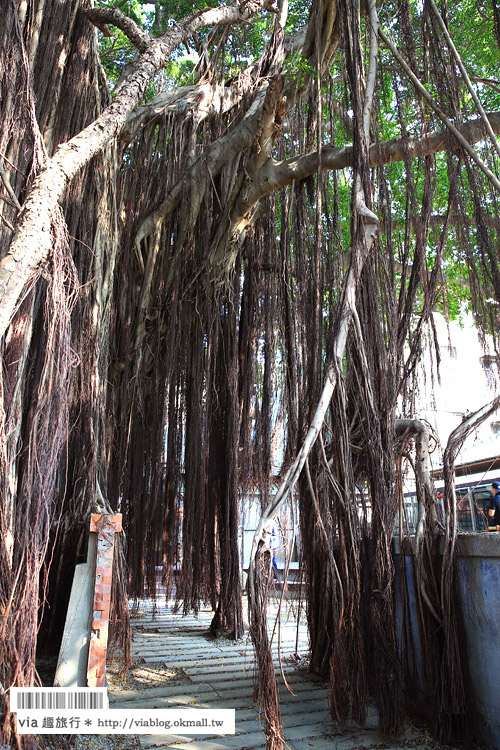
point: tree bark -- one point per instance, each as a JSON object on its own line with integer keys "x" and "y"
{"x": 276, "y": 174}
{"x": 33, "y": 238}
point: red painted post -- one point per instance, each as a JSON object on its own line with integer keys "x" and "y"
{"x": 106, "y": 526}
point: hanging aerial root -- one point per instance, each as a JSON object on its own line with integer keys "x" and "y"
{"x": 457, "y": 713}
{"x": 36, "y": 508}
{"x": 266, "y": 687}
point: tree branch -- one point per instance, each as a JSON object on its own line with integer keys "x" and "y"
{"x": 216, "y": 98}
{"x": 100, "y": 17}
{"x": 205, "y": 168}
{"x": 466, "y": 78}
{"x": 32, "y": 241}
{"x": 276, "y": 174}
{"x": 206, "y": 97}
{"x": 429, "y": 99}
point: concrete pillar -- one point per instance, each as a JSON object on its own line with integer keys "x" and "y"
{"x": 73, "y": 655}
{"x": 105, "y": 526}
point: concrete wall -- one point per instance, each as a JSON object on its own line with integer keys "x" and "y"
{"x": 479, "y": 578}
{"x": 73, "y": 655}
{"x": 478, "y": 567}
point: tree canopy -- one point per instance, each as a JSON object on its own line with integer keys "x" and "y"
{"x": 223, "y": 229}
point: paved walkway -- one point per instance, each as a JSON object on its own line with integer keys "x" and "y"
{"x": 219, "y": 674}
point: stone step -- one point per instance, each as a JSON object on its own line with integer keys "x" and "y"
{"x": 188, "y": 662}
{"x": 205, "y": 699}
{"x": 220, "y": 674}
{"x": 244, "y": 711}
{"x": 200, "y": 643}
{"x": 123, "y": 696}
{"x": 171, "y": 644}
{"x": 167, "y": 626}
{"x": 172, "y": 658}
{"x": 238, "y": 741}
{"x": 227, "y": 690}
{"x": 173, "y": 641}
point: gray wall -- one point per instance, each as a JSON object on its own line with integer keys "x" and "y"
{"x": 479, "y": 579}
{"x": 478, "y": 566}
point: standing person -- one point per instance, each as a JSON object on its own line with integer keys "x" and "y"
{"x": 274, "y": 546}
{"x": 494, "y": 511}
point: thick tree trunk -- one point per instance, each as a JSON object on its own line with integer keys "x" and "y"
{"x": 33, "y": 238}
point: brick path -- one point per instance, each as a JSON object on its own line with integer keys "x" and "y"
{"x": 219, "y": 674}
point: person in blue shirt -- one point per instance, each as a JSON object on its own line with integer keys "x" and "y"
{"x": 494, "y": 511}
{"x": 274, "y": 546}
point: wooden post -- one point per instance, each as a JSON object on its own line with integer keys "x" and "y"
{"x": 106, "y": 526}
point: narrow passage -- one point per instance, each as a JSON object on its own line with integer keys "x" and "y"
{"x": 177, "y": 664}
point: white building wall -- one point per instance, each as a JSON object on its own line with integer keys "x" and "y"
{"x": 464, "y": 388}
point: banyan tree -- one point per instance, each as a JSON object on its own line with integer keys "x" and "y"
{"x": 224, "y": 229}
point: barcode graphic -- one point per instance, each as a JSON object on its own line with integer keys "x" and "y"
{"x": 25, "y": 700}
